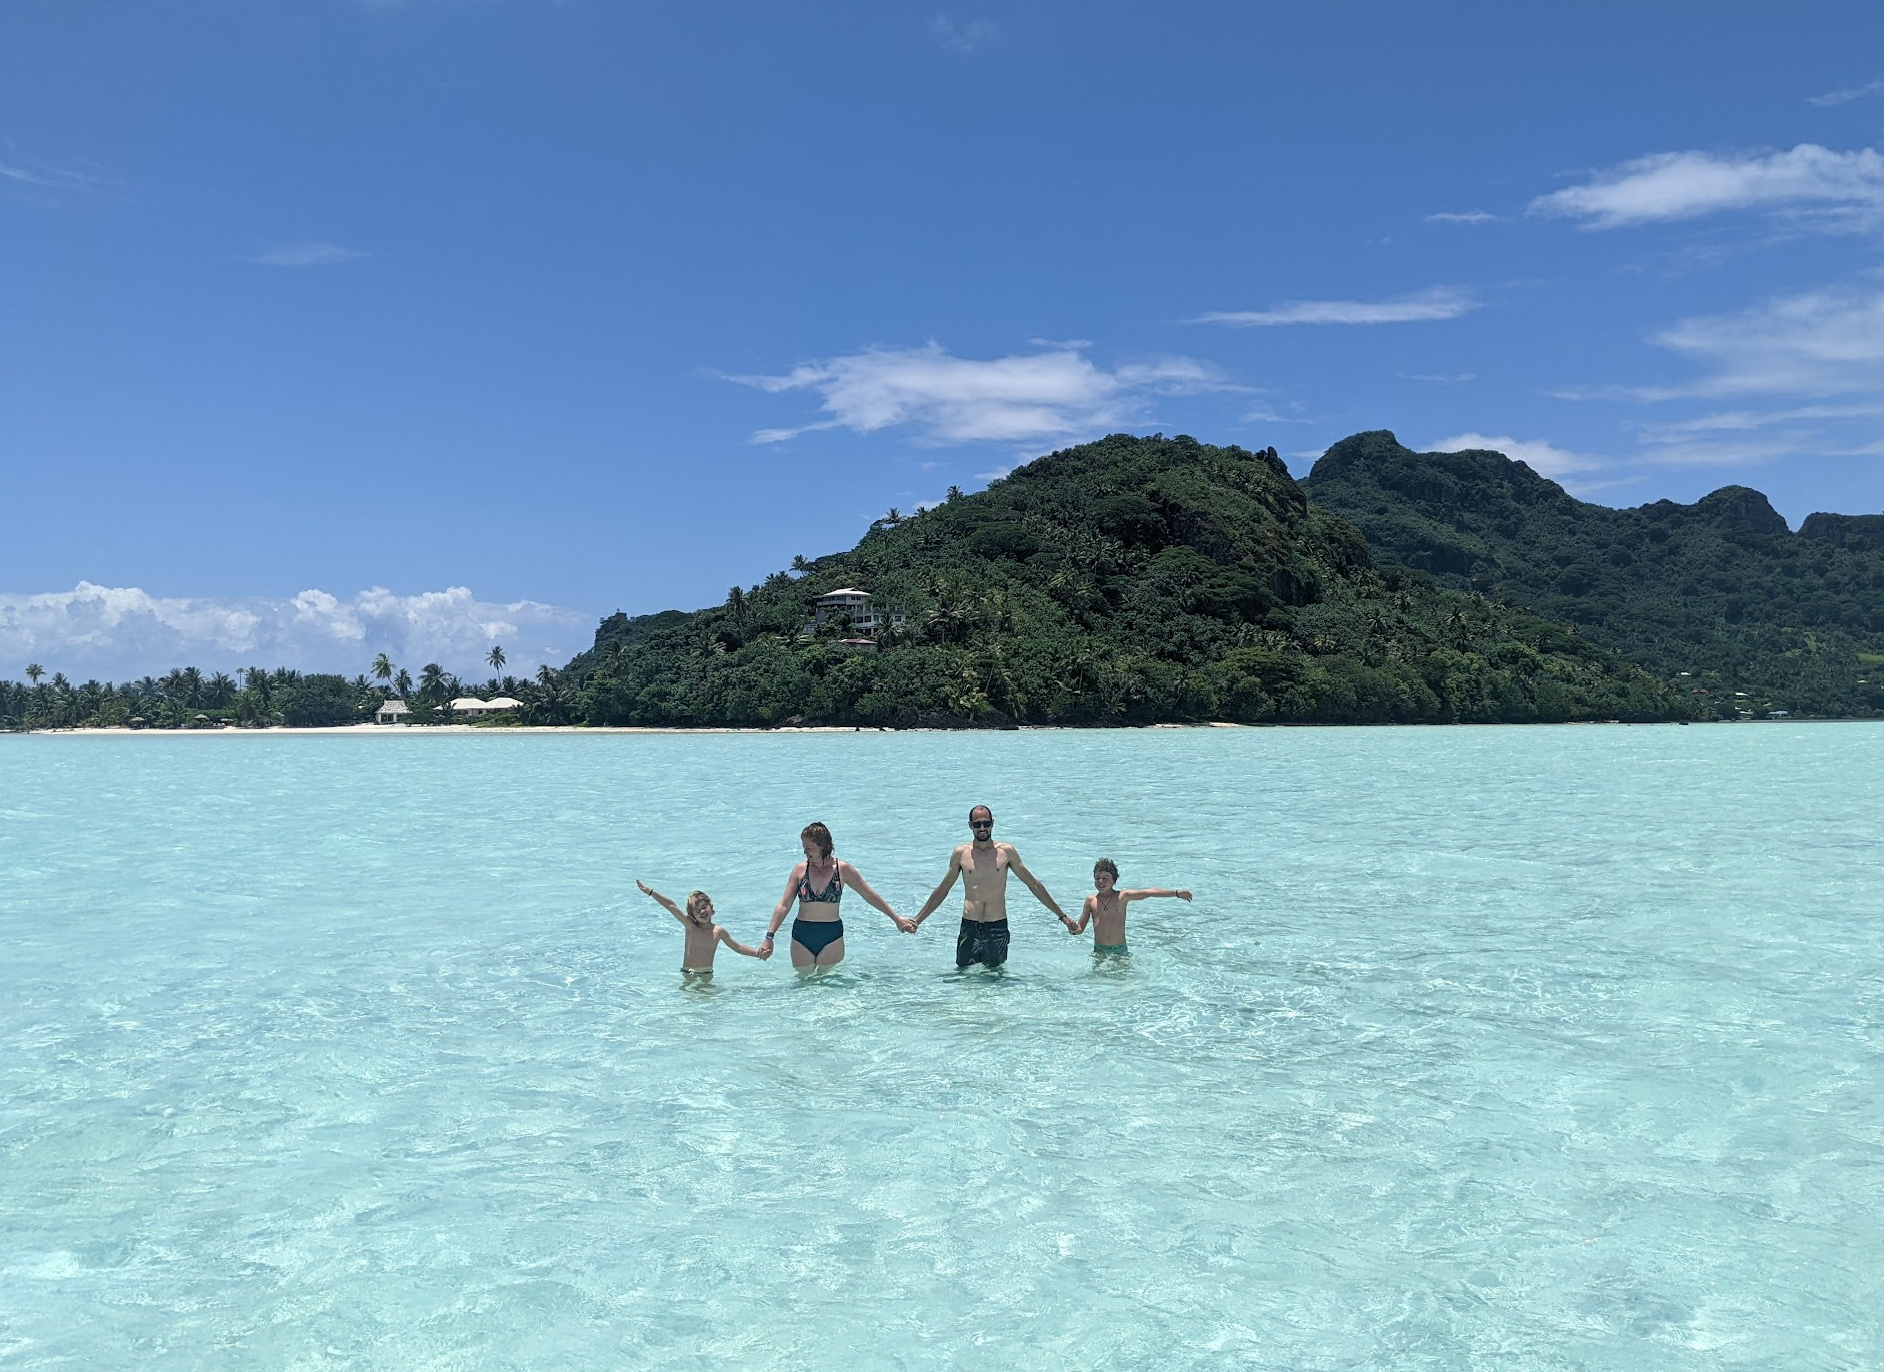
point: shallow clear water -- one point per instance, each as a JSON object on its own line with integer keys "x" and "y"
{"x": 1479, "y": 1048}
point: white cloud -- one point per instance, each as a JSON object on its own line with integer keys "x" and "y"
{"x": 1546, "y": 459}
{"x": 1845, "y": 187}
{"x": 1852, "y": 93}
{"x": 1744, "y": 437}
{"x": 306, "y": 255}
{"x": 52, "y": 178}
{"x": 1742, "y": 421}
{"x": 1819, "y": 343}
{"x": 1463, "y": 217}
{"x": 123, "y": 632}
{"x": 1058, "y": 393}
{"x": 1441, "y": 302}
{"x": 1715, "y": 452}
{"x": 963, "y": 39}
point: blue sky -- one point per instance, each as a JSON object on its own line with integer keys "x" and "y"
{"x": 330, "y": 326}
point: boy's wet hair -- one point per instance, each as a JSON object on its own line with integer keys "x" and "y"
{"x": 818, "y": 834}
{"x": 1106, "y": 865}
{"x": 696, "y": 905}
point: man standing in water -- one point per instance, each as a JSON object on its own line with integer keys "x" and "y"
{"x": 983, "y": 867}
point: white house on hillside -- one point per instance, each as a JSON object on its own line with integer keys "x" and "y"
{"x": 856, "y": 604}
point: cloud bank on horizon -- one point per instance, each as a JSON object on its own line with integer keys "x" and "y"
{"x": 122, "y": 633}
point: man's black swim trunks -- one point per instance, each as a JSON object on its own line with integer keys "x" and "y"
{"x": 981, "y": 941}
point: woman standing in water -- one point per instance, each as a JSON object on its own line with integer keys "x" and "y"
{"x": 817, "y": 884}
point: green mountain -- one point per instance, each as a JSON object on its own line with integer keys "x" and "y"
{"x": 1131, "y": 580}
{"x": 1758, "y": 616}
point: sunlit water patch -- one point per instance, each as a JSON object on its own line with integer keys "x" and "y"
{"x": 1479, "y": 1048}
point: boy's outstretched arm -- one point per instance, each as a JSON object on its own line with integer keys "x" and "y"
{"x": 666, "y": 904}
{"x": 719, "y": 931}
{"x": 1150, "y": 891}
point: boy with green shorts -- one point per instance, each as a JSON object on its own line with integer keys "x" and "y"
{"x": 1105, "y": 908}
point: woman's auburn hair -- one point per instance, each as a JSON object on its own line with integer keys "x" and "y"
{"x": 818, "y": 834}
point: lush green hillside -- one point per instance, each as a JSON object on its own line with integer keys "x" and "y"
{"x": 1761, "y": 617}
{"x": 1129, "y": 580}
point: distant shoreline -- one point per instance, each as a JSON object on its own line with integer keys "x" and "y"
{"x": 563, "y": 730}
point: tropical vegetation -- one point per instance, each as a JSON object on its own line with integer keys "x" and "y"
{"x": 1720, "y": 597}
{"x": 1128, "y": 581}
{"x": 1149, "y": 580}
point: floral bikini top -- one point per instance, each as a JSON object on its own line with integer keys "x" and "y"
{"x": 832, "y": 893}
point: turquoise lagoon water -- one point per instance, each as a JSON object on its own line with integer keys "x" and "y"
{"x": 1480, "y": 1048}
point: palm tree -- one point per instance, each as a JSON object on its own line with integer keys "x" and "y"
{"x": 382, "y": 668}
{"x": 402, "y": 683}
{"x": 221, "y": 687}
{"x": 431, "y": 680}
{"x": 34, "y": 672}
{"x": 545, "y": 676}
{"x": 736, "y": 602}
{"x": 894, "y": 517}
{"x": 496, "y": 657}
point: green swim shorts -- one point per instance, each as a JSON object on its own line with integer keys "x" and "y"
{"x": 1116, "y": 949}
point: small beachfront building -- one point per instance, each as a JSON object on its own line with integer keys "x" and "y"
{"x": 500, "y": 703}
{"x": 391, "y": 712}
{"x": 470, "y": 705}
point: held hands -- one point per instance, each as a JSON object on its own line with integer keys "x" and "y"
{"x": 906, "y": 924}
{"x": 765, "y": 947}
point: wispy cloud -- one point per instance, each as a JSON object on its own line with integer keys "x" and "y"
{"x": 963, "y": 39}
{"x": 1818, "y": 343}
{"x": 123, "y": 632}
{"x": 1546, "y": 459}
{"x": 1844, "y": 188}
{"x": 1463, "y": 217}
{"x": 1058, "y": 393}
{"x": 1745, "y": 437}
{"x": 307, "y": 255}
{"x": 1736, "y": 452}
{"x": 1845, "y": 96}
{"x": 53, "y": 178}
{"x": 1441, "y": 302}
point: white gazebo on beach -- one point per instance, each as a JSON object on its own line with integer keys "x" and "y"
{"x": 391, "y": 712}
